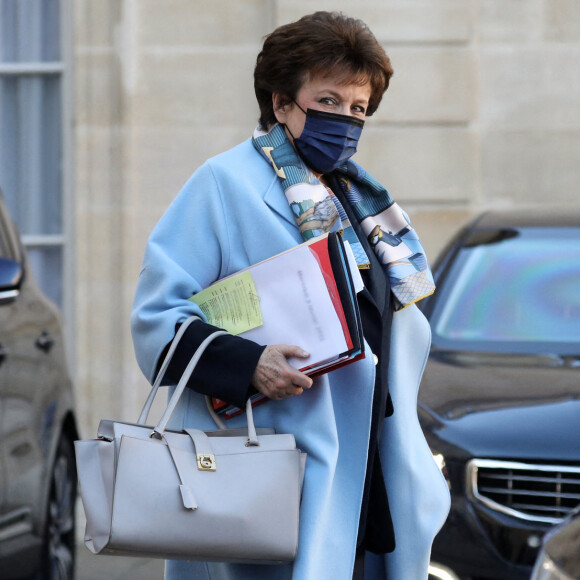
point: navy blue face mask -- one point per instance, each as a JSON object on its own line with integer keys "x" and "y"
{"x": 328, "y": 140}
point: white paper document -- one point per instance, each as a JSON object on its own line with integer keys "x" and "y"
{"x": 296, "y": 307}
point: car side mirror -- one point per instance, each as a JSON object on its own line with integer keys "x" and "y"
{"x": 10, "y": 278}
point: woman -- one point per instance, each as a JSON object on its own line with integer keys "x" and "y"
{"x": 316, "y": 80}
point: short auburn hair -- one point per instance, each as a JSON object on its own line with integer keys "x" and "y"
{"x": 323, "y": 44}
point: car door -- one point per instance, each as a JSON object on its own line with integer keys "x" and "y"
{"x": 2, "y": 466}
{"x": 21, "y": 368}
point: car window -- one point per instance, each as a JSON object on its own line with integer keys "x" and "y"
{"x": 519, "y": 292}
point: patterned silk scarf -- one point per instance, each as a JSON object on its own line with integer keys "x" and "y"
{"x": 318, "y": 211}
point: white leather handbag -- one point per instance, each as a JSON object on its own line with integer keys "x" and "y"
{"x": 228, "y": 495}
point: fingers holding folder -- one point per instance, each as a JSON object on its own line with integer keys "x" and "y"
{"x": 275, "y": 377}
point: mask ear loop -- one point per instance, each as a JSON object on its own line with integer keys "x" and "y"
{"x": 296, "y": 103}
{"x": 288, "y": 129}
{"x": 286, "y": 126}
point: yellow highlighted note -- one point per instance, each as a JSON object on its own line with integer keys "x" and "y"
{"x": 231, "y": 304}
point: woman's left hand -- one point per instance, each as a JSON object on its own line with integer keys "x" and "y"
{"x": 275, "y": 377}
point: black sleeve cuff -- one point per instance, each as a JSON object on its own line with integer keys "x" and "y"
{"x": 225, "y": 369}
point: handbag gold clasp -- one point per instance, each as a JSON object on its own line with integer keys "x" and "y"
{"x": 206, "y": 462}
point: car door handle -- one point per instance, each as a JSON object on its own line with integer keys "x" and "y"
{"x": 3, "y": 354}
{"x": 44, "y": 342}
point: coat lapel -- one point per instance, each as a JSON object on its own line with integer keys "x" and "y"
{"x": 277, "y": 202}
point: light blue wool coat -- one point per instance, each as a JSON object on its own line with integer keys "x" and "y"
{"x": 232, "y": 213}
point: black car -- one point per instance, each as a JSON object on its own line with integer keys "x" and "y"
{"x": 500, "y": 397}
{"x": 37, "y": 426}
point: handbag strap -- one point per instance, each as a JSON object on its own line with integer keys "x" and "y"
{"x": 252, "y": 434}
{"x": 182, "y": 384}
{"x": 157, "y": 383}
{"x": 216, "y": 418}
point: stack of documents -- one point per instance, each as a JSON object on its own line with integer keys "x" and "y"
{"x": 305, "y": 296}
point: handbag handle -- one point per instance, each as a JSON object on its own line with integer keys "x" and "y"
{"x": 216, "y": 418}
{"x": 157, "y": 383}
{"x": 181, "y": 385}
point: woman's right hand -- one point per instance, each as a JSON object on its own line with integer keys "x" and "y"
{"x": 275, "y": 377}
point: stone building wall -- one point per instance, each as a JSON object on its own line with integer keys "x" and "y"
{"x": 483, "y": 111}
